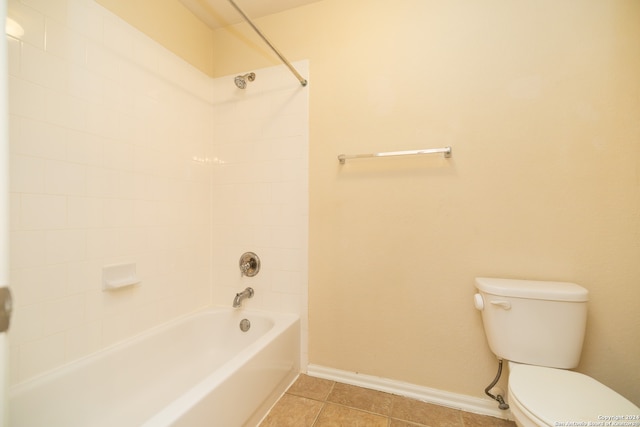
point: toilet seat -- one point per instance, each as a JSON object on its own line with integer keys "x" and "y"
{"x": 523, "y": 417}
{"x": 553, "y": 396}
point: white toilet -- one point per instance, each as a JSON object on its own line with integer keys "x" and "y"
{"x": 539, "y": 328}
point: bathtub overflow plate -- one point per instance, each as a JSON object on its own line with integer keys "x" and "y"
{"x": 245, "y": 325}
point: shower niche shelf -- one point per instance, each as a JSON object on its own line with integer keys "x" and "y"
{"x": 119, "y": 276}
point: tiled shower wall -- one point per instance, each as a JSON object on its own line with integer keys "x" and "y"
{"x": 111, "y": 162}
{"x": 106, "y": 129}
{"x": 260, "y": 190}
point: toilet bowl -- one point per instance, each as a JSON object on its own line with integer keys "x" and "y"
{"x": 541, "y": 396}
{"x": 539, "y": 328}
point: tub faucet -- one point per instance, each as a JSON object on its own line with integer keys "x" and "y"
{"x": 247, "y": 293}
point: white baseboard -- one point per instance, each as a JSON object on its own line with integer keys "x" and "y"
{"x": 430, "y": 395}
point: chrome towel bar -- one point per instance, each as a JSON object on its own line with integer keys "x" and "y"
{"x": 342, "y": 158}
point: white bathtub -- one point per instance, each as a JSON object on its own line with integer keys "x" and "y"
{"x": 201, "y": 370}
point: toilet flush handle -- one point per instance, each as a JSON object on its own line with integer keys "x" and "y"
{"x": 504, "y": 304}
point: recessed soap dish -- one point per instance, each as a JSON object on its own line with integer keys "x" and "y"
{"x": 119, "y": 276}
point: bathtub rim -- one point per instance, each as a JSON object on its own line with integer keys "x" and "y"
{"x": 59, "y": 371}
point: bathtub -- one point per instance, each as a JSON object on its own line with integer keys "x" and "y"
{"x": 200, "y": 370}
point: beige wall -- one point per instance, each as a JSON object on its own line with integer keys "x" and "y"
{"x": 171, "y": 24}
{"x": 540, "y": 101}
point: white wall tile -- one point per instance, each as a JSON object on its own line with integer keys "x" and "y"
{"x": 13, "y": 53}
{"x": 63, "y": 314}
{"x": 117, "y": 155}
{"x": 85, "y": 212}
{"x": 132, "y": 241}
{"x": 84, "y": 84}
{"x": 77, "y": 113}
{"x": 40, "y": 139}
{"x": 26, "y": 324}
{"x": 82, "y": 339}
{"x": 132, "y": 185}
{"x": 65, "y": 245}
{"x": 102, "y": 120}
{"x": 27, "y": 174}
{"x": 26, "y": 99}
{"x": 35, "y": 285}
{"x": 118, "y": 212}
{"x": 146, "y": 52}
{"x": 41, "y": 355}
{"x": 118, "y": 37}
{"x": 102, "y": 243}
{"x": 28, "y": 248}
{"x": 118, "y": 99}
{"x": 84, "y": 276}
{"x": 41, "y": 211}
{"x": 61, "y": 42}
{"x": 53, "y": 9}
{"x": 65, "y": 178}
{"x": 85, "y": 148}
{"x": 117, "y": 328}
{"x": 42, "y": 68}
{"x": 86, "y": 18}
{"x": 102, "y": 182}
{"x": 59, "y": 109}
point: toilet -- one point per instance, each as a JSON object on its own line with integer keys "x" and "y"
{"x": 538, "y": 327}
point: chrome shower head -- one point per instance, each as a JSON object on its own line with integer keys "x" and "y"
{"x": 241, "y": 81}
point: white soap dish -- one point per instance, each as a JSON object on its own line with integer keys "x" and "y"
{"x": 119, "y": 276}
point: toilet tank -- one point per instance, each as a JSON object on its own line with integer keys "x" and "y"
{"x": 533, "y": 322}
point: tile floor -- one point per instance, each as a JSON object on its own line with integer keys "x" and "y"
{"x": 315, "y": 402}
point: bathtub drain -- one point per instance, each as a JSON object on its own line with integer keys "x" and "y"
{"x": 245, "y": 325}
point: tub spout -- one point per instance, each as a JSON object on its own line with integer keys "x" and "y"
{"x": 247, "y": 293}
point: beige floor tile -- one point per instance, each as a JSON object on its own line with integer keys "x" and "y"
{"x": 316, "y": 402}
{"x": 293, "y": 411}
{"x": 341, "y": 416}
{"x": 311, "y": 387}
{"x": 425, "y": 413}
{"x": 475, "y": 420}
{"x": 361, "y": 398}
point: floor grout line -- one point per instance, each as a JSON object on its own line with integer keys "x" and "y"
{"x": 315, "y": 420}
{"x": 389, "y": 418}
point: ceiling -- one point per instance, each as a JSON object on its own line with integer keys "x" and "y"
{"x": 219, "y": 13}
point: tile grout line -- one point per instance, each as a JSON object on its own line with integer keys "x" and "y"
{"x": 315, "y": 420}
{"x": 389, "y": 417}
{"x": 324, "y": 404}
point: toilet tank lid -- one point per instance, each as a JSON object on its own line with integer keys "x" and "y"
{"x": 533, "y": 289}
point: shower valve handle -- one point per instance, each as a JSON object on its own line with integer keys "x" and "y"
{"x": 249, "y": 264}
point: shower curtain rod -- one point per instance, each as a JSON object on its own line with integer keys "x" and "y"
{"x": 302, "y": 80}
